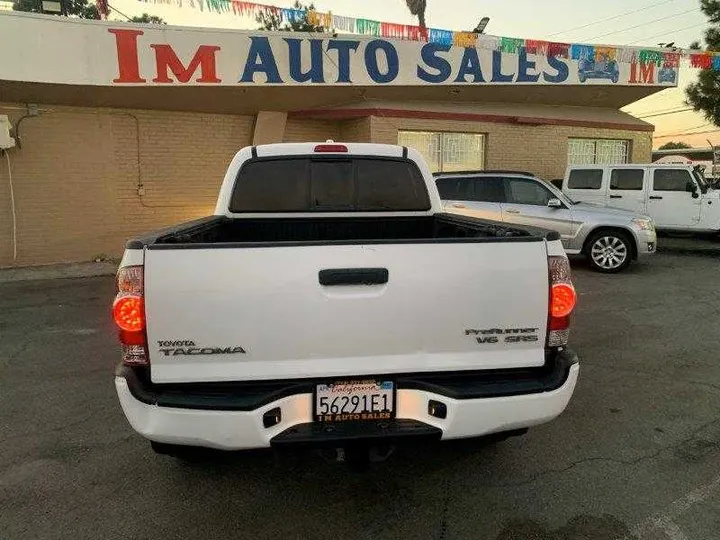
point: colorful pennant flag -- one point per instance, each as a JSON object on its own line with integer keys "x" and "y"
{"x": 511, "y": 45}
{"x": 651, "y": 57}
{"x": 701, "y": 60}
{"x": 331, "y": 22}
{"x": 464, "y": 39}
{"x": 534, "y": 46}
{"x": 443, "y": 37}
{"x": 582, "y": 52}
{"x": 559, "y": 50}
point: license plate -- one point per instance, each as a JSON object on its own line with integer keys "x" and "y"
{"x": 343, "y": 401}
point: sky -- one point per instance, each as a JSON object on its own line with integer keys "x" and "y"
{"x": 613, "y": 22}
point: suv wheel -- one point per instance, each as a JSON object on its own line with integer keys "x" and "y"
{"x": 609, "y": 251}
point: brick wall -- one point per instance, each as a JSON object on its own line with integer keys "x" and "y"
{"x": 357, "y": 130}
{"x": 76, "y": 177}
{"x": 538, "y": 149}
{"x": 308, "y": 130}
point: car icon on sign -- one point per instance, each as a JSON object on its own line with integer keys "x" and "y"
{"x": 667, "y": 75}
{"x": 603, "y": 68}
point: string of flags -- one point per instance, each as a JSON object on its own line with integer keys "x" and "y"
{"x": 351, "y": 25}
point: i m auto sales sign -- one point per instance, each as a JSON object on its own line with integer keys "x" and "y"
{"x": 100, "y": 53}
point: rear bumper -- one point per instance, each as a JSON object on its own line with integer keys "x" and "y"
{"x": 476, "y": 404}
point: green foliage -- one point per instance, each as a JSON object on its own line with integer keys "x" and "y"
{"x": 148, "y": 19}
{"x": 704, "y": 95}
{"x": 82, "y": 9}
{"x": 78, "y": 8}
{"x": 269, "y": 21}
{"x": 674, "y": 146}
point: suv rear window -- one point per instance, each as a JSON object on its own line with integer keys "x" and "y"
{"x": 585, "y": 179}
{"x": 307, "y": 184}
{"x": 455, "y": 188}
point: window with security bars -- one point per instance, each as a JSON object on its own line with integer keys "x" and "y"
{"x": 592, "y": 151}
{"x": 447, "y": 152}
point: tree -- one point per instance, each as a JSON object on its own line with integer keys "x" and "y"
{"x": 271, "y": 21}
{"x": 417, "y": 8}
{"x": 674, "y": 146}
{"x": 704, "y": 95}
{"x": 78, "y": 8}
{"x": 148, "y": 19}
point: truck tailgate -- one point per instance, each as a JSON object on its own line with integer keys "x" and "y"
{"x": 252, "y": 313}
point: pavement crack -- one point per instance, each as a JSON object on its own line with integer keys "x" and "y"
{"x": 703, "y": 383}
{"x": 445, "y": 511}
{"x": 14, "y": 356}
{"x": 626, "y": 462}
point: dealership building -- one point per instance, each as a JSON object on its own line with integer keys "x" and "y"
{"x": 124, "y": 128}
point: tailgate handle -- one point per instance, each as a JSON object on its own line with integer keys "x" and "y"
{"x": 655, "y": 197}
{"x": 353, "y": 276}
{"x": 616, "y": 196}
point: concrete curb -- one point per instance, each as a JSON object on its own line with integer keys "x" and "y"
{"x": 57, "y": 271}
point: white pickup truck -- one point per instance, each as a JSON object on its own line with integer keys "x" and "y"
{"x": 330, "y": 301}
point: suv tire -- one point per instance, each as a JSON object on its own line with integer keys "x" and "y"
{"x": 609, "y": 251}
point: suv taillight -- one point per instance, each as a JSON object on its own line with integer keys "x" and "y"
{"x": 129, "y": 315}
{"x": 562, "y": 301}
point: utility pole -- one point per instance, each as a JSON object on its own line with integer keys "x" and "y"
{"x": 716, "y": 159}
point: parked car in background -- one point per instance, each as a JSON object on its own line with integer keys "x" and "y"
{"x": 676, "y": 197}
{"x": 610, "y": 238}
{"x": 331, "y": 301}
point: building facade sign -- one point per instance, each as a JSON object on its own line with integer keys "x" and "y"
{"x": 64, "y": 51}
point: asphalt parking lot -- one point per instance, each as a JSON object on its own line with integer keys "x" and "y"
{"x": 636, "y": 455}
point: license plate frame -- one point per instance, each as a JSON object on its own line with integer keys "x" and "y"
{"x": 322, "y": 390}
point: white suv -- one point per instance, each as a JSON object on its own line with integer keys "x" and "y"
{"x": 677, "y": 197}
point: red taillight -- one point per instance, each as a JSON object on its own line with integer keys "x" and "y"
{"x": 129, "y": 315}
{"x": 330, "y": 148}
{"x": 562, "y": 301}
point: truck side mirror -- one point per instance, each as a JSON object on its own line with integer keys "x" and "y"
{"x": 692, "y": 188}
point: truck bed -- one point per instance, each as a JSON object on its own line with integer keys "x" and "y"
{"x": 220, "y": 230}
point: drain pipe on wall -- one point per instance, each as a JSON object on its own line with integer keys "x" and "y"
{"x": 7, "y": 142}
{"x": 12, "y": 203}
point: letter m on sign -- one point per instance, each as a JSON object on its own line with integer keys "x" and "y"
{"x": 642, "y": 73}
{"x": 167, "y": 62}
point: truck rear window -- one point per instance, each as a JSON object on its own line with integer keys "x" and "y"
{"x": 329, "y": 185}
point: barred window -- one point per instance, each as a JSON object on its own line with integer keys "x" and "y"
{"x": 447, "y": 152}
{"x": 592, "y": 151}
